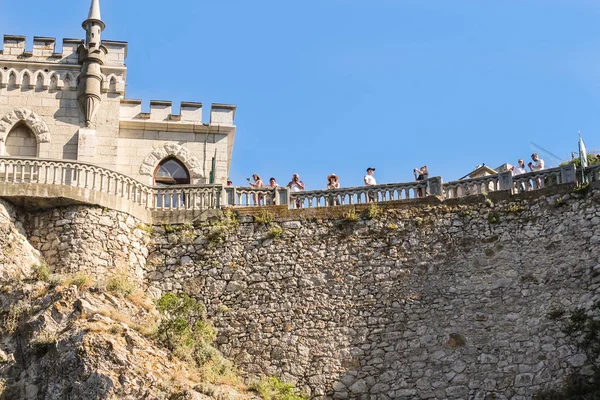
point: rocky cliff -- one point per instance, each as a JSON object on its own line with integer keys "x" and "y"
{"x": 67, "y": 337}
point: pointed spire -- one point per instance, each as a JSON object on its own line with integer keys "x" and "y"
{"x": 94, "y": 15}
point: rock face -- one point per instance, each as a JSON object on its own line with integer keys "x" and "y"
{"x": 446, "y": 300}
{"x": 81, "y": 345}
{"x": 17, "y": 255}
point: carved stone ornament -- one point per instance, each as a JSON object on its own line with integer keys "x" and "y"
{"x": 31, "y": 119}
{"x": 191, "y": 162}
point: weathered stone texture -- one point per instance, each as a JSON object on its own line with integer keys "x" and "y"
{"x": 426, "y": 302}
{"x": 90, "y": 240}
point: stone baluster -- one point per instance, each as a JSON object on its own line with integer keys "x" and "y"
{"x": 505, "y": 180}
{"x": 435, "y": 186}
{"x": 568, "y": 173}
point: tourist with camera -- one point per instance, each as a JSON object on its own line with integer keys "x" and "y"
{"x": 296, "y": 185}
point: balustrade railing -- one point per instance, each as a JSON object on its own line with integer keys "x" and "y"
{"x": 541, "y": 179}
{"x": 240, "y": 196}
{"x": 358, "y": 195}
{"x": 73, "y": 174}
{"x": 466, "y": 187}
{"x": 592, "y": 172}
{"x": 200, "y": 197}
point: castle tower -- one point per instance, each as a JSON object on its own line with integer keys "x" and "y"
{"x": 91, "y": 57}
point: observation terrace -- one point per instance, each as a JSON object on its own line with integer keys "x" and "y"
{"x": 43, "y": 183}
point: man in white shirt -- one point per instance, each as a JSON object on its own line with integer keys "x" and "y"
{"x": 537, "y": 165}
{"x": 296, "y": 185}
{"x": 370, "y": 181}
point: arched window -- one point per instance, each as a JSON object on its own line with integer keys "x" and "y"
{"x": 171, "y": 171}
{"x": 26, "y": 82}
{"x": 39, "y": 83}
{"x": 21, "y": 142}
{"x": 53, "y": 82}
{"x": 113, "y": 85}
{"x": 12, "y": 80}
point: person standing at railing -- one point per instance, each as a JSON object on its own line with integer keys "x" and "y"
{"x": 421, "y": 174}
{"x": 537, "y": 165}
{"x": 296, "y": 185}
{"x": 258, "y": 183}
{"x": 333, "y": 183}
{"x": 273, "y": 185}
{"x": 370, "y": 181}
{"x": 519, "y": 170}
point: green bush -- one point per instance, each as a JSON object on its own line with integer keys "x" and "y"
{"x": 494, "y": 218}
{"x": 275, "y": 232}
{"x": 264, "y": 218}
{"x": 119, "y": 284}
{"x": 373, "y": 211}
{"x": 351, "y": 215}
{"x": 216, "y": 234}
{"x": 184, "y": 330}
{"x": 274, "y": 389}
{"x": 592, "y": 158}
{"x": 42, "y": 272}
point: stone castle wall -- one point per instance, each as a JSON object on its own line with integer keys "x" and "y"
{"x": 445, "y": 300}
{"x": 89, "y": 240}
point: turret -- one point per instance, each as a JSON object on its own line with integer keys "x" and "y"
{"x": 91, "y": 57}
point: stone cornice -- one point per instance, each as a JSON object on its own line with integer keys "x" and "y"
{"x": 176, "y": 126}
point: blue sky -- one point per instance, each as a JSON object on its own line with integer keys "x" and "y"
{"x": 340, "y": 85}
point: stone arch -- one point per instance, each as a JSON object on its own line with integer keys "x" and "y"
{"x": 39, "y": 81}
{"x": 30, "y": 119}
{"x": 174, "y": 150}
{"x": 12, "y": 79}
{"x": 21, "y": 142}
{"x": 112, "y": 86}
{"x": 53, "y": 82}
{"x": 25, "y": 80}
{"x": 68, "y": 81}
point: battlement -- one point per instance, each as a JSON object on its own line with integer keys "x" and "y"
{"x": 44, "y": 50}
{"x": 161, "y": 110}
{"x": 45, "y": 69}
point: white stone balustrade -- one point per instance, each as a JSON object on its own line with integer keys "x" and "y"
{"x": 546, "y": 177}
{"x": 592, "y": 172}
{"x": 240, "y": 196}
{"x": 186, "y": 197}
{"x": 72, "y": 174}
{"x": 90, "y": 183}
{"x": 466, "y": 187}
{"x": 359, "y": 194}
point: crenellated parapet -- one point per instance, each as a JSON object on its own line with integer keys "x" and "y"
{"x": 161, "y": 111}
{"x": 43, "y": 68}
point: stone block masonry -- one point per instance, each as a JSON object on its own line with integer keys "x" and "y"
{"x": 446, "y": 301}
{"x": 427, "y": 300}
{"x": 89, "y": 240}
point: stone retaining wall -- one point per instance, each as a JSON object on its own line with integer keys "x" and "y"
{"x": 90, "y": 240}
{"x": 445, "y": 301}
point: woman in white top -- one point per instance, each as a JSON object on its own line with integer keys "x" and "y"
{"x": 333, "y": 183}
{"x": 258, "y": 183}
